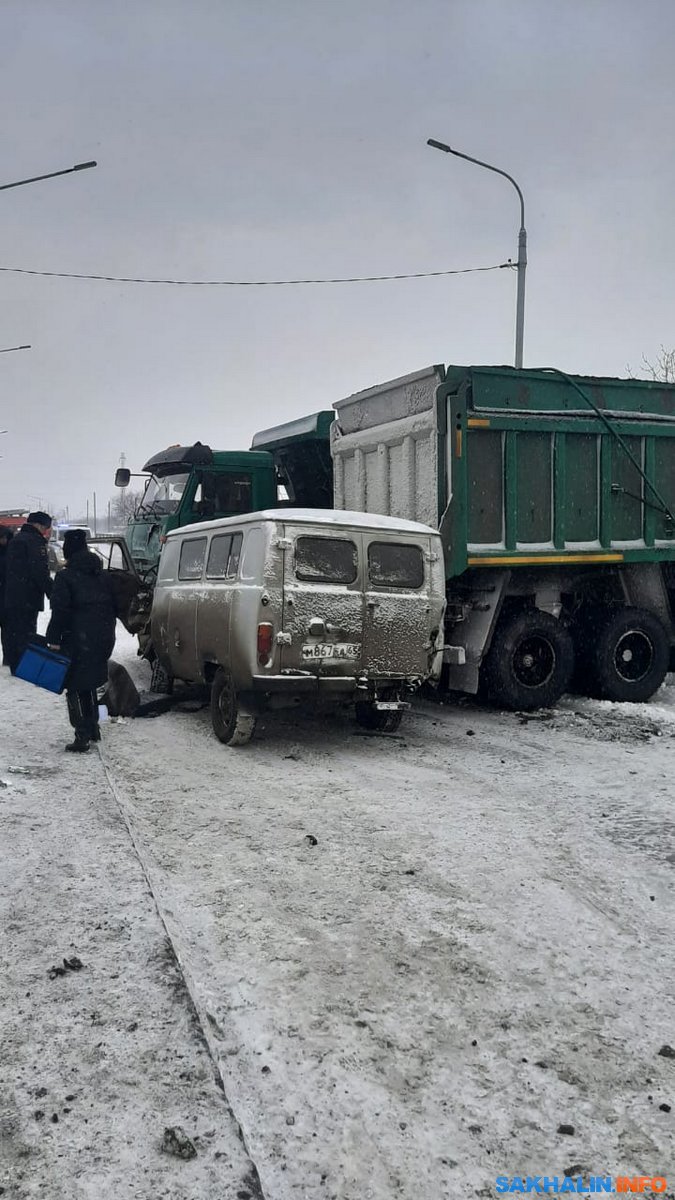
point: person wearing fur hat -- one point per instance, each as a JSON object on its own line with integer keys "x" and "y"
{"x": 6, "y": 535}
{"x": 27, "y": 582}
{"x": 82, "y": 626}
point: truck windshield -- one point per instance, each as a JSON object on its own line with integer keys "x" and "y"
{"x": 162, "y": 496}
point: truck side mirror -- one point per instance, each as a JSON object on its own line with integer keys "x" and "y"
{"x": 122, "y": 477}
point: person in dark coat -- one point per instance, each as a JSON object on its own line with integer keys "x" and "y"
{"x": 27, "y": 582}
{"x": 83, "y": 628}
{"x": 6, "y": 536}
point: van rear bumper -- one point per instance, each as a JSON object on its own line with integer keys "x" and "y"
{"x": 293, "y": 684}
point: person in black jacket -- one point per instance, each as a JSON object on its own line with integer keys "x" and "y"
{"x": 27, "y": 582}
{"x": 6, "y": 535}
{"x": 83, "y": 628}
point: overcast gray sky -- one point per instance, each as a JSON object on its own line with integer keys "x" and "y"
{"x": 272, "y": 138}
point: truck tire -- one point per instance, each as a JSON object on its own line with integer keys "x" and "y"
{"x": 369, "y": 717}
{"x": 530, "y": 661}
{"x": 232, "y": 725}
{"x": 628, "y": 657}
{"x": 160, "y": 680}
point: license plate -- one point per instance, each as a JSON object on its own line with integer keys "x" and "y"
{"x": 325, "y": 650}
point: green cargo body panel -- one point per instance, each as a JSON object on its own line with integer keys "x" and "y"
{"x": 516, "y": 467}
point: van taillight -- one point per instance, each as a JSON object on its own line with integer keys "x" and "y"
{"x": 265, "y": 637}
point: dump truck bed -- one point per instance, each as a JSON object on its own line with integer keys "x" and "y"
{"x": 517, "y": 468}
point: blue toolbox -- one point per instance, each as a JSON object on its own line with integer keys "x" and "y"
{"x": 43, "y": 667}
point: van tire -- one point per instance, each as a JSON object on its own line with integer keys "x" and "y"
{"x": 369, "y": 717}
{"x": 232, "y": 725}
{"x": 628, "y": 656}
{"x": 161, "y": 681}
{"x": 530, "y": 662}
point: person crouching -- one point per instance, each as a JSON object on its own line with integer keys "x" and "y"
{"x": 82, "y": 626}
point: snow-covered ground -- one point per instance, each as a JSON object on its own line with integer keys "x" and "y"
{"x": 413, "y": 957}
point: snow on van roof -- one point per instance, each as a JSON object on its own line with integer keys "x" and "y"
{"x": 314, "y": 516}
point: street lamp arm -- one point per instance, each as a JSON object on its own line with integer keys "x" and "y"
{"x": 52, "y": 175}
{"x": 488, "y": 167}
{"x": 522, "y": 241}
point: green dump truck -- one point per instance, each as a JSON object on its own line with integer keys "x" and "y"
{"x": 554, "y": 495}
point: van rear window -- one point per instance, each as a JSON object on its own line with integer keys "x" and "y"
{"x": 192, "y": 555}
{"x": 326, "y": 560}
{"x": 224, "y": 555}
{"x": 392, "y": 564}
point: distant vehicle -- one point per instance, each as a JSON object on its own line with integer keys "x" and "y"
{"x": 13, "y": 518}
{"x": 55, "y": 544}
{"x": 291, "y": 603}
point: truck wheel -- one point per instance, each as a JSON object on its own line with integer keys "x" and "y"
{"x": 160, "y": 680}
{"x": 530, "y": 661}
{"x": 232, "y": 725}
{"x": 629, "y": 655}
{"x": 369, "y": 717}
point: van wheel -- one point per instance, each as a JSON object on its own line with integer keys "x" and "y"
{"x": 369, "y": 717}
{"x": 160, "y": 680}
{"x": 530, "y": 661}
{"x": 232, "y": 725}
{"x": 628, "y": 657}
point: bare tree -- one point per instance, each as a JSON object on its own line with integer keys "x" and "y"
{"x": 124, "y": 504}
{"x": 661, "y": 370}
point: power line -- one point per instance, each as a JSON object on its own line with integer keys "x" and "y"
{"x": 250, "y": 282}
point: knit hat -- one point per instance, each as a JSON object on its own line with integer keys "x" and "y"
{"x": 74, "y": 540}
{"x": 38, "y": 518}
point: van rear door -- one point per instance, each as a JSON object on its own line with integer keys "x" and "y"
{"x": 400, "y": 615}
{"x": 323, "y": 602}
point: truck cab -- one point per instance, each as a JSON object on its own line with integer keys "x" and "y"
{"x": 186, "y": 484}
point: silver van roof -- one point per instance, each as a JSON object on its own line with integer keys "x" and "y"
{"x": 311, "y": 516}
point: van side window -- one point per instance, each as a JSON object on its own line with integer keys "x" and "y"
{"x": 224, "y": 555}
{"x": 168, "y": 560}
{"x": 254, "y": 552}
{"x": 326, "y": 560}
{"x": 192, "y": 555}
{"x": 392, "y": 564}
{"x": 235, "y": 555}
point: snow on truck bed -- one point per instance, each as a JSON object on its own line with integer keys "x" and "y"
{"x": 414, "y": 958}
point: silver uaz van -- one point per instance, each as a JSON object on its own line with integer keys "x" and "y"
{"x": 289, "y": 602}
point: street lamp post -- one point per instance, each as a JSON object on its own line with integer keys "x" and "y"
{"x": 522, "y": 242}
{"x": 85, "y": 166}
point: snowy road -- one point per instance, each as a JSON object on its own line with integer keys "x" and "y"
{"x": 476, "y": 951}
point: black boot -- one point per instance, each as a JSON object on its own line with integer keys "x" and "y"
{"x": 79, "y": 746}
